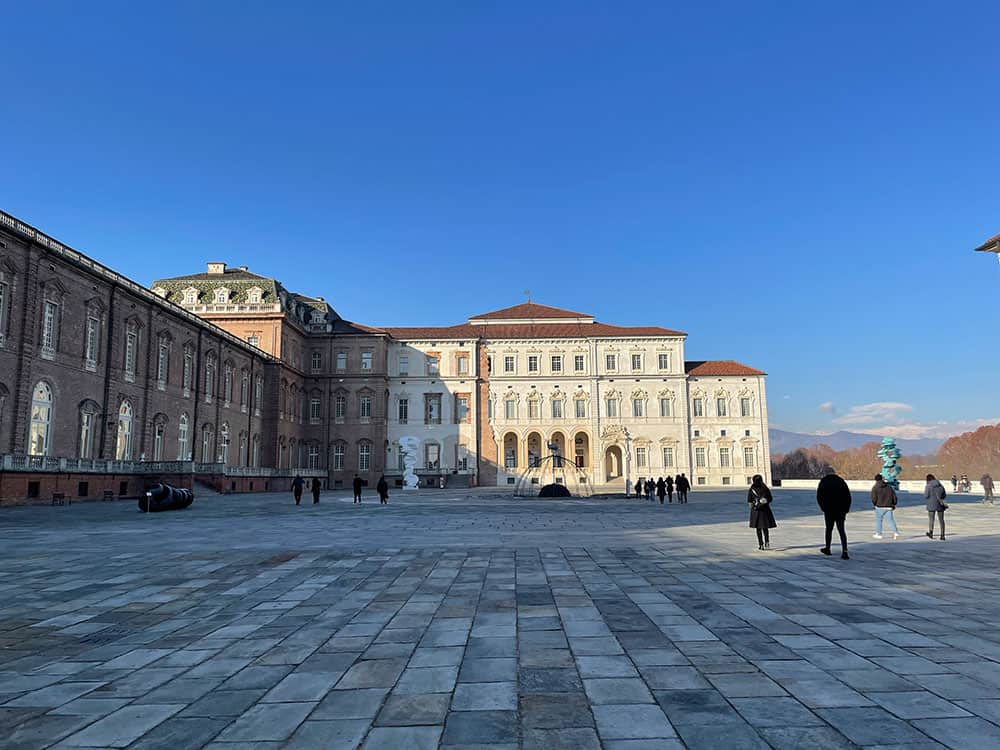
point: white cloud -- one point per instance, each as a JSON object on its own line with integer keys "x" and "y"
{"x": 940, "y": 430}
{"x": 879, "y": 412}
{"x": 827, "y": 407}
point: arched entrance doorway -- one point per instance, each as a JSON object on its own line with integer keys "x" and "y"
{"x": 581, "y": 450}
{"x": 558, "y": 440}
{"x": 612, "y": 463}
{"x": 534, "y": 443}
{"x": 510, "y": 451}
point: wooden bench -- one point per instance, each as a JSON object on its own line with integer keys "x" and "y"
{"x": 59, "y": 498}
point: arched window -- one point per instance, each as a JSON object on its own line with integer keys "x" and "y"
{"x": 364, "y": 456}
{"x": 39, "y": 436}
{"x": 258, "y": 395}
{"x": 244, "y": 391}
{"x": 207, "y": 444}
{"x": 227, "y": 384}
{"x": 255, "y": 456}
{"x": 210, "y": 368}
{"x": 159, "y": 434}
{"x": 88, "y": 428}
{"x": 123, "y": 447}
{"x": 182, "y": 438}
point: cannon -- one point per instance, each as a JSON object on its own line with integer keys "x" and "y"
{"x": 164, "y": 497}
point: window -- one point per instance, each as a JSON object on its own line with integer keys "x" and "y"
{"x": 227, "y": 385}
{"x": 533, "y": 409}
{"x": 640, "y": 457}
{"x": 340, "y": 408}
{"x": 208, "y": 444}
{"x": 556, "y": 363}
{"x": 50, "y": 328}
{"x": 532, "y": 363}
{"x": 224, "y": 443}
{"x": 244, "y": 390}
{"x": 123, "y": 445}
{"x": 557, "y": 408}
{"x": 722, "y": 433}
{"x": 209, "y": 380}
{"x": 746, "y": 433}
{"x": 432, "y": 408}
{"x": 365, "y": 408}
{"x": 432, "y": 365}
{"x": 636, "y": 361}
{"x": 748, "y": 457}
{"x": 578, "y": 363}
{"x": 313, "y": 460}
{"x": 461, "y": 408}
{"x": 364, "y": 456}
{"x": 610, "y": 362}
{"x": 182, "y": 438}
{"x": 190, "y": 296}
{"x": 701, "y": 480}
{"x": 698, "y": 408}
{"x": 745, "y": 408}
{"x": 158, "y": 433}
{"x": 338, "y": 457}
{"x": 41, "y": 420}
{"x": 461, "y": 457}
{"x": 581, "y": 408}
{"x": 508, "y": 364}
{"x": 510, "y": 409}
{"x": 91, "y": 344}
{"x": 221, "y": 296}
{"x": 432, "y": 456}
{"x": 638, "y": 408}
{"x": 611, "y": 407}
{"x": 315, "y": 410}
{"x": 258, "y": 395}
{"x": 404, "y": 410}
{"x": 341, "y": 361}
{"x": 724, "y": 457}
{"x": 254, "y": 341}
{"x": 131, "y": 346}
{"x": 727, "y": 480}
{"x": 404, "y": 365}
{"x": 162, "y": 364}
{"x": 463, "y": 365}
{"x": 668, "y": 458}
{"x": 697, "y": 433}
{"x": 664, "y": 407}
{"x": 253, "y": 296}
{"x": 663, "y": 361}
{"x": 699, "y": 458}
{"x": 366, "y": 360}
{"x": 188, "y": 370}
{"x": 88, "y": 423}
{"x": 316, "y": 361}
{"x": 720, "y": 406}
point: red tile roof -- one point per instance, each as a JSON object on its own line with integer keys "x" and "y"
{"x": 529, "y": 331}
{"x": 720, "y": 367}
{"x": 991, "y": 245}
{"x": 529, "y": 310}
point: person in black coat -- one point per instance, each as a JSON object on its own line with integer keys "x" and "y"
{"x": 834, "y": 498}
{"x": 315, "y": 490}
{"x": 661, "y": 489}
{"x": 761, "y": 516}
{"x": 638, "y": 487}
{"x": 683, "y": 485}
{"x": 358, "y": 484}
{"x": 297, "y": 488}
{"x": 670, "y": 489}
{"x": 383, "y": 491}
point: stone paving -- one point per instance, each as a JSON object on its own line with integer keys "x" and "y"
{"x": 484, "y": 621}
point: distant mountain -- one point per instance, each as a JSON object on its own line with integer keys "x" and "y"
{"x": 785, "y": 442}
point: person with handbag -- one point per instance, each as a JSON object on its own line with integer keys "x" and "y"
{"x": 884, "y": 500}
{"x": 934, "y": 494}
{"x": 761, "y": 517}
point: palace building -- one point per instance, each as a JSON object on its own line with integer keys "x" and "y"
{"x": 229, "y": 370}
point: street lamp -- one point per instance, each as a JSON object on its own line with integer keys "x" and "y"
{"x": 628, "y": 460}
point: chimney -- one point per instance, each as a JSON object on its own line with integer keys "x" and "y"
{"x": 216, "y": 267}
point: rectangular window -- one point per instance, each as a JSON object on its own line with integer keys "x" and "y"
{"x": 578, "y": 363}
{"x": 611, "y": 407}
{"x": 532, "y": 363}
{"x": 432, "y": 456}
{"x": 341, "y": 361}
{"x": 364, "y": 456}
{"x": 462, "y": 363}
{"x": 610, "y": 362}
{"x": 365, "y": 408}
{"x": 433, "y": 367}
{"x": 668, "y": 458}
{"x": 699, "y": 458}
{"x": 640, "y": 457}
{"x": 313, "y": 457}
{"x": 161, "y": 366}
{"x": 724, "y": 457}
{"x": 461, "y": 408}
{"x": 338, "y": 457}
{"x": 720, "y": 406}
{"x": 4, "y": 301}
{"x": 209, "y": 382}
{"x": 638, "y": 407}
{"x": 510, "y": 409}
{"x": 698, "y": 408}
{"x": 254, "y": 341}
{"x": 663, "y": 361}
{"x": 556, "y": 363}
{"x": 86, "y": 435}
{"x": 404, "y": 365}
{"x": 701, "y": 480}
{"x": 581, "y": 408}
{"x": 404, "y": 410}
{"x": 748, "y": 457}
{"x": 432, "y": 409}
{"x": 508, "y": 364}
{"x": 664, "y": 407}
{"x": 50, "y": 322}
{"x": 131, "y": 344}
{"x": 745, "y": 410}
{"x": 532, "y": 409}
{"x": 366, "y": 360}
{"x": 636, "y": 361}
{"x": 557, "y": 409}
{"x": 315, "y": 411}
{"x": 317, "y": 362}
{"x": 92, "y": 343}
{"x": 340, "y": 408}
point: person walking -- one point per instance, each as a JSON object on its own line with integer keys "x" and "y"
{"x": 834, "y": 499}
{"x": 650, "y": 487}
{"x": 670, "y": 489}
{"x": 661, "y": 489}
{"x": 761, "y": 516}
{"x": 383, "y": 491}
{"x": 934, "y": 494}
{"x": 638, "y": 488}
{"x": 884, "y": 499}
{"x": 954, "y": 483}
{"x": 316, "y": 487}
{"x": 358, "y": 484}
{"x": 297, "y": 488}
{"x": 987, "y": 481}
{"x": 683, "y": 485}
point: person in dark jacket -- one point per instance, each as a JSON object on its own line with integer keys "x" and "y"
{"x": 358, "y": 484}
{"x": 638, "y": 487}
{"x": 761, "y": 516}
{"x": 987, "y": 481}
{"x": 316, "y": 487}
{"x": 661, "y": 489}
{"x": 297, "y": 488}
{"x": 834, "y": 498}
{"x": 934, "y": 494}
{"x": 683, "y": 485}
{"x": 383, "y": 491}
{"x": 884, "y": 500}
{"x": 670, "y": 489}
{"x": 650, "y": 489}
{"x": 954, "y": 483}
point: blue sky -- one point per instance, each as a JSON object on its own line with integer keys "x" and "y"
{"x": 799, "y": 188}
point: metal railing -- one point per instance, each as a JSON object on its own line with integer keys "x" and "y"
{"x": 24, "y": 463}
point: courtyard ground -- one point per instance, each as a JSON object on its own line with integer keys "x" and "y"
{"x": 478, "y": 620}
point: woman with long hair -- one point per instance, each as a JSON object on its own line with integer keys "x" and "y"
{"x": 761, "y": 517}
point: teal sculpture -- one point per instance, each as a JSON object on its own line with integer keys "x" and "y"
{"x": 891, "y": 469}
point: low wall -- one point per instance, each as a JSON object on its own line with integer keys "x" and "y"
{"x": 906, "y": 485}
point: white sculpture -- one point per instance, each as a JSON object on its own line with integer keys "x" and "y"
{"x": 408, "y": 447}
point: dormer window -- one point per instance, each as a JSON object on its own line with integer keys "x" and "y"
{"x": 254, "y": 295}
{"x": 222, "y": 296}
{"x": 190, "y": 296}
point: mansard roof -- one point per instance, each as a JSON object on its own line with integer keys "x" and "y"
{"x": 530, "y": 331}
{"x": 720, "y": 367}
{"x": 531, "y": 311}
